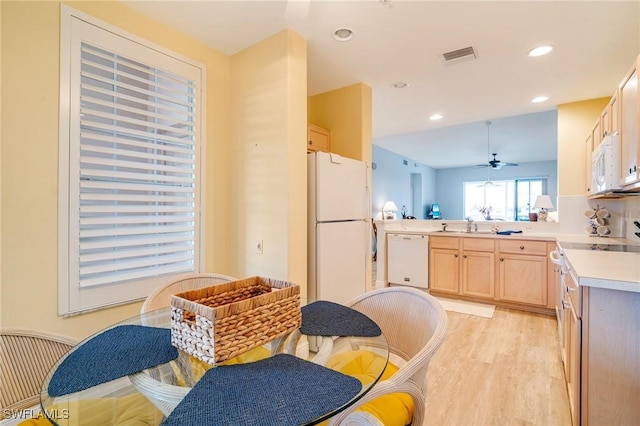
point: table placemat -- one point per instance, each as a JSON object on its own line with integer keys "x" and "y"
{"x": 324, "y": 318}
{"x": 281, "y": 390}
{"x": 114, "y": 353}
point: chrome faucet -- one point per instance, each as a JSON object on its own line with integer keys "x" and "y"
{"x": 495, "y": 228}
{"x": 444, "y": 226}
{"x": 471, "y": 223}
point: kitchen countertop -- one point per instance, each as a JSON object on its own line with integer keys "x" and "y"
{"x": 603, "y": 269}
{"x": 592, "y": 268}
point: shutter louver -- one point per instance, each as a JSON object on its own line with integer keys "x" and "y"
{"x": 137, "y": 199}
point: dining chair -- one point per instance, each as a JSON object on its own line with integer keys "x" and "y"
{"x": 27, "y": 356}
{"x": 161, "y": 297}
{"x": 414, "y": 324}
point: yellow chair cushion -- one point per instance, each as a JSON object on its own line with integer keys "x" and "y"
{"x": 130, "y": 410}
{"x": 393, "y": 409}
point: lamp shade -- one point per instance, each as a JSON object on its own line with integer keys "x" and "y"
{"x": 543, "y": 202}
{"x": 390, "y": 206}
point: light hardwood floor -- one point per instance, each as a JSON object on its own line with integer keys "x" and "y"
{"x": 500, "y": 371}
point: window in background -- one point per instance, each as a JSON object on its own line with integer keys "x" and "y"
{"x": 508, "y": 200}
{"x": 129, "y": 165}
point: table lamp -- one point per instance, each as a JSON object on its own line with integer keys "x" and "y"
{"x": 388, "y": 210}
{"x": 543, "y": 202}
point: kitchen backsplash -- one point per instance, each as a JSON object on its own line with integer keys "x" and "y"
{"x": 624, "y": 211}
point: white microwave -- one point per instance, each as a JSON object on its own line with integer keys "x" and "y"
{"x": 605, "y": 165}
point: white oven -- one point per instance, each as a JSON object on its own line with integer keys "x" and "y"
{"x": 605, "y": 165}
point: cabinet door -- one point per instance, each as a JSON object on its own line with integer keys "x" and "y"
{"x": 573, "y": 363}
{"x": 478, "y": 274}
{"x": 523, "y": 279}
{"x": 443, "y": 270}
{"x": 629, "y": 147}
{"x": 588, "y": 150}
{"x": 318, "y": 139}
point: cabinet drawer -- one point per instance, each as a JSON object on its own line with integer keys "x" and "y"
{"x": 478, "y": 244}
{"x": 444, "y": 242}
{"x": 523, "y": 247}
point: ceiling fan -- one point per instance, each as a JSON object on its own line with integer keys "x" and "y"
{"x": 497, "y": 164}
{"x": 493, "y": 163}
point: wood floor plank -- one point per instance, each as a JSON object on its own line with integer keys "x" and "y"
{"x": 505, "y": 370}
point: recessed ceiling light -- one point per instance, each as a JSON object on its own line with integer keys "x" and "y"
{"x": 342, "y": 34}
{"x": 539, "y": 99}
{"x": 435, "y": 117}
{"x": 400, "y": 85}
{"x": 540, "y": 50}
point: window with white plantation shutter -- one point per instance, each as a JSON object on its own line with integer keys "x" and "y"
{"x": 130, "y": 160}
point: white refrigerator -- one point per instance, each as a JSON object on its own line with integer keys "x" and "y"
{"x": 339, "y": 227}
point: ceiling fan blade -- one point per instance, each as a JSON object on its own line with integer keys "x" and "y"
{"x": 510, "y": 164}
{"x": 296, "y": 10}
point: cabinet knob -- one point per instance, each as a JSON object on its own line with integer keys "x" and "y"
{"x": 502, "y": 259}
{"x": 455, "y": 255}
{"x": 464, "y": 256}
{"x": 310, "y": 142}
{"x": 521, "y": 247}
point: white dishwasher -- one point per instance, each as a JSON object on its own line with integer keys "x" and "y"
{"x": 408, "y": 259}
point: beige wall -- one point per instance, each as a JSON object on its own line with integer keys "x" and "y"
{"x": 30, "y": 75}
{"x": 268, "y": 201}
{"x": 347, "y": 113}
{"x": 575, "y": 121}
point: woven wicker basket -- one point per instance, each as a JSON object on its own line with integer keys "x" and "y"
{"x": 219, "y": 322}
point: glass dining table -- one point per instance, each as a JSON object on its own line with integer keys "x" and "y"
{"x": 151, "y": 395}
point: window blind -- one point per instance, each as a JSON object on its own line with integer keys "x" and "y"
{"x": 136, "y": 171}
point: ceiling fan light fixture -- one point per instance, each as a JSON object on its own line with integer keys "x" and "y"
{"x": 540, "y": 50}
{"x": 342, "y": 34}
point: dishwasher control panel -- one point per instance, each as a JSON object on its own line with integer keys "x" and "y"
{"x": 408, "y": 259}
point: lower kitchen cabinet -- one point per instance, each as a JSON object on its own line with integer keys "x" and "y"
{"x": 444, "y": 265}
{"x": 462, "y": 266}
{"x": 515, "y": 272}
{"x": 572, "y": 344}
{"x": 601, "y": 353}
{"x": 522, "y": 273}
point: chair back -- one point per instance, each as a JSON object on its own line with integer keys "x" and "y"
{"x": 414, "y": 324}
{"x": 161, "y": 297}
{"x": 26, "y": 358}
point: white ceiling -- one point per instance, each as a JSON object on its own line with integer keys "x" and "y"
{"x": 595, "y": 44}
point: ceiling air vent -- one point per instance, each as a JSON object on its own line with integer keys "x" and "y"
{"x": 464, "y": 54}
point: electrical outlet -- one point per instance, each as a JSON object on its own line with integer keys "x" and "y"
{"x": 259, "y": 247}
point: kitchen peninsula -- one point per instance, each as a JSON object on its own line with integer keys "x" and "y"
{"x": 595, "y": 295}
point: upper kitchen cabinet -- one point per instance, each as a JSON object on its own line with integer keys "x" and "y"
{"x": 629, "y": 129}
{"x": 318, "y": 138}
{"x": 609, "y": 119}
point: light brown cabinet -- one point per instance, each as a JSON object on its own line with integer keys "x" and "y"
{"x": 601, "y": 353}
{"x": 588, "y": 150}
{"x": 629, "y": 108}
{"x": 572, "y": 343}
{"x": 609, "y": 117}
{"x": 522, "y": 272}
{"x": 444, "y": 265}
{"x": 462, "y": 266}
{"x": 318, "y": 138}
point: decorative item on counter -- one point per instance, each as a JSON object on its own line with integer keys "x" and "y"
{"x": 598, "y": 222}
{"x": 388, "y": 210}
{"x": 403, "y": 211}
{"x": 543, "y": 202}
